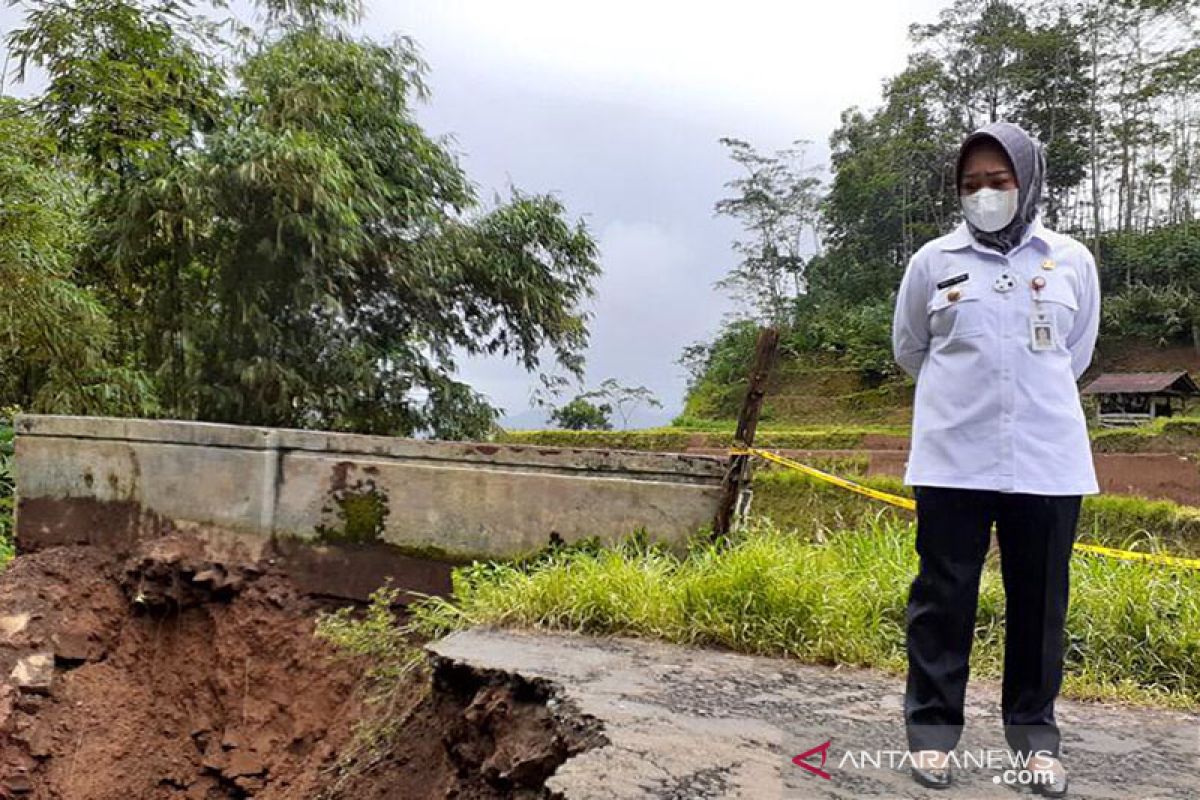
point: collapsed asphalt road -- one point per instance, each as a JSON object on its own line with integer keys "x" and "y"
{"x": 689, "y": 723}
{"x": 157, "y": 675}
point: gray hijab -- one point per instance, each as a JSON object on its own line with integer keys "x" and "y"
{"x": 1029, "y": 161}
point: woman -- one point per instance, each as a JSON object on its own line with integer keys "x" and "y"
{"x": 996, "y": 321}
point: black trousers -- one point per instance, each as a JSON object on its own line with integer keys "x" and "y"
{"x": 1036, "y": 534}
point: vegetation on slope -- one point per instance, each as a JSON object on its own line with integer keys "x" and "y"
{"x": 1133, "y": 629}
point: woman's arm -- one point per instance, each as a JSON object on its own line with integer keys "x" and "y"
{"x": 910, "y": 321}
{"x": 1081, "y": 340}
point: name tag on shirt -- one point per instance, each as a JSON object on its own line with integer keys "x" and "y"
{"x": 953, "y": 281}
{"x": 1041, "y": 331}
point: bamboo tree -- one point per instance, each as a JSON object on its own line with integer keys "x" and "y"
{"x": 280, "y": 241}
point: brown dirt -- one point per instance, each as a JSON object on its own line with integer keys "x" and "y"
{"x": 175, "y": 678}
{"x": 1134, "y": 355}
{"x": 1157, "y": 476}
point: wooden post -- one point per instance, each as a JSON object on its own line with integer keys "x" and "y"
{"x": 738, "y": 473}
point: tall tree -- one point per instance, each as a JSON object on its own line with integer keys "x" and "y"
{"x": 57, "y": 349}
{"x": 295, "y": 250}
{"x": 776, "y": 203}
{"x": 625, "y": 399}
{"x": 1052, "y": 82}
{"x": 978, "y": 41}
{"x": 892, "y": 188}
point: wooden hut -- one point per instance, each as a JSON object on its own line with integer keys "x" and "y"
{"x": 1133, "y": 398}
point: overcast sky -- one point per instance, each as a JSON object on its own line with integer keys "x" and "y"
{"x": 616, "y": 107}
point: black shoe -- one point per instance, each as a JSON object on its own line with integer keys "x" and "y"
{"x": 1055, "y": 787}
{"x": 933, "y": 778}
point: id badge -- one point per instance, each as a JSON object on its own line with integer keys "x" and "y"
{"x": 1041, "y": 331}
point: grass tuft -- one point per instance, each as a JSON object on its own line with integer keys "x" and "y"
{"x": 836, "y": 598}
{"x": 377, "y": 639}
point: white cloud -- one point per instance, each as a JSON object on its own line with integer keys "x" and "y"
{"x": 798, "y": 64}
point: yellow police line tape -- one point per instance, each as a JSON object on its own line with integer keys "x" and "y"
{"x": 909, "y": 504}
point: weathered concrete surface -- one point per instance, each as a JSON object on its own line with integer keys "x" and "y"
{"x": 97, "y": 479}
{"x": 688, "y": 723}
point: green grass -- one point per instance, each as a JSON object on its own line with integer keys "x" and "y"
{"x": 806, "y": 392}
{"x": 1133, "y": 632}
{"x": 378, "y": 648}
{"x": 719, "y": 435}
{"x": 822, "y": 575}
{"x": 766, "y": 594}
{"x": 796, "y": 501}
{"x": 654, "y": 439}
{"x": 1135, "y": 523}
{"x": 839, "y": 598}
{"x": 1164, "y": 435}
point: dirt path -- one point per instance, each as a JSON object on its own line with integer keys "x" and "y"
{"x": 687, "y": 723}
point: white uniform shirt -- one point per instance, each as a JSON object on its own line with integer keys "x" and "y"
{"x": 990, "y": 411}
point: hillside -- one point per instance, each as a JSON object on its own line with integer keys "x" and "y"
{"x": 811, "y": 390}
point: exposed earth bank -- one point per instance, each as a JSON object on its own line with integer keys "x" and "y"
{"x": 155, "y": 674}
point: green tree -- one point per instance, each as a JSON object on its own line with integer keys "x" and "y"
{"x": 625, "y": 399}
{"x": 892, "y": 189}
{"x": 979, "y": 41}
{"x": 1152, "y": 284}
{"x": 58, "y": 353}
{"x": 580, "y": 414}
{"x": 1052, "y": 81}
{"x": 285, "y": 245}
{"x": 129, "y": 83}
{"x": 776, "y": 203}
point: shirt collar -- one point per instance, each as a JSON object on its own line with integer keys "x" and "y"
{"x": 961, "y": 237}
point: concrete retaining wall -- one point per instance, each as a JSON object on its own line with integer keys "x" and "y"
{"x": 336, "y": 495}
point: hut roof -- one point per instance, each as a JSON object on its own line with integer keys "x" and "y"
{"x": 1143, "y": 383}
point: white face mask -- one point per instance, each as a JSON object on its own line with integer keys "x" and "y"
{"x": 990, "y": 209}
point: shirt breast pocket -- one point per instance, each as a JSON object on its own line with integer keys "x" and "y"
{"x": 1059, "y": 301}
{"x": 955, "y": 313}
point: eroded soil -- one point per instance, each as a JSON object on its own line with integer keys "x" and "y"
{"x": 154, "y": 674}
